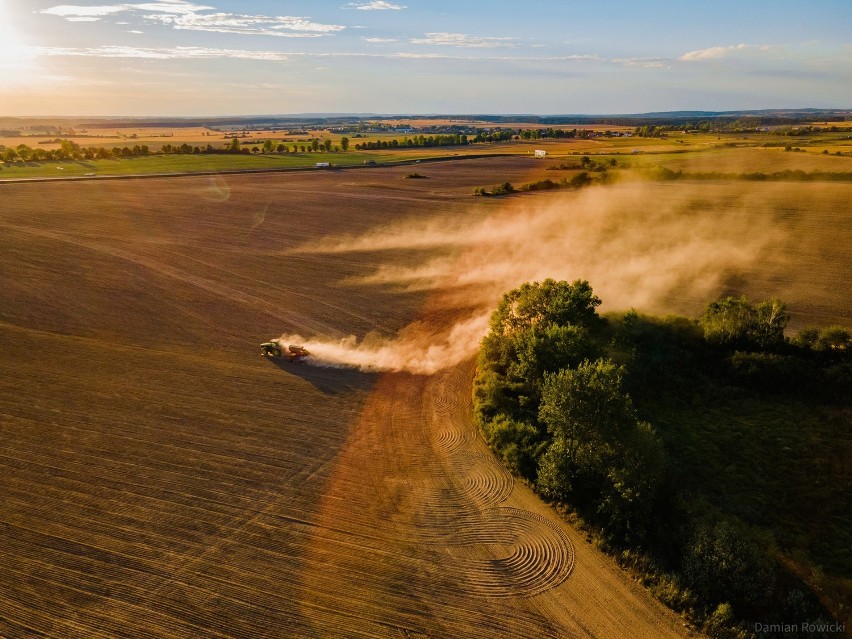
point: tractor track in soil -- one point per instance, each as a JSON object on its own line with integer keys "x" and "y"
{"x": 161, "y": 480}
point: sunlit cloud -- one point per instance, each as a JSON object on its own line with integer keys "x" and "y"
{"x": 581, "y": 57}
{"x": 646, "y": 63}
{"x": 464, "y": 40}
{"x": 715, "y": 53}
{"x": 17, "y": 60}
{"x": 181, "y": 15}
{"x": 427, "y": 56}
{"x": 73, "y": 13}
{"x": 173, "y": 53}
{"x": 188, "y": 52}
{"x": 375, "y": 5}
{"x": 282, "y": 26}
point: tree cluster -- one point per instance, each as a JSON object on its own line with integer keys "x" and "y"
{"x": 663, "y": 174}
{"x": 567, "y": 399}
{"x": 69, "y": 150}
{"x": 419, "y": 141}
{"x": 554, "y": 407}
{"x": 739, "y": 324}
{"x": 577, "y": 181}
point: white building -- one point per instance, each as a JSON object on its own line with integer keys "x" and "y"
{"x": 540, "y": 153}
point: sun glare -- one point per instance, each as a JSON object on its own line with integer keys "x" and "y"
{"x": 16, "y": 56}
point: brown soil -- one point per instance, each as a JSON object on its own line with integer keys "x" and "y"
{"x": 161, "y": 479}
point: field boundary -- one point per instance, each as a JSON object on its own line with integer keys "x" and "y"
{"x": 289, "y": 169}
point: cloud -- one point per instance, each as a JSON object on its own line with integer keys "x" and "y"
{"x": 790, "y": 74}
{"x": 715, "y": 53}
{"x": 463, "y": 40}
{"x": 187, "y": 52}
{"x": 379, "y": 40}
{"x": 174, "y": 53}
{"x": 646, "y": 63}
{"x": 426, "y": 56}
{"x": 375, "y": 5}
{"x": 282, "y": 26}
{"x": 72, "y": 12}
{"x": 182, "y": 15}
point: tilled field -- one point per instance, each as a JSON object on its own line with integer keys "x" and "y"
{"x": 160, "y": 479}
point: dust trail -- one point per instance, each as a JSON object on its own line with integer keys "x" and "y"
{"x": 637, "y": 244}
{"x": 216, "y": 190}
{"x": 421, "y": 348}
{"x": 655, "y": 247}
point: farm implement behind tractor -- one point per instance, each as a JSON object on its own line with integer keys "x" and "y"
{"x": 293, "y": 352}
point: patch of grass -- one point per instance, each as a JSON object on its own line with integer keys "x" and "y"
{"x": 186, "y": 163}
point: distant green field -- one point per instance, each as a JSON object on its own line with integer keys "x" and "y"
{"x": 677, "y": 152}
{"x": 153, "y": 164}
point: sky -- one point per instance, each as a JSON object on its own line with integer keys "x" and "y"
{"x": 252, "y": 57}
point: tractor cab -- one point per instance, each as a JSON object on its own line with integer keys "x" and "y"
{"x": 270, "y": 349}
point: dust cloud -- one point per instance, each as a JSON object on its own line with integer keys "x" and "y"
{"x": 659, "y": 248}
{"x": 421, "y": 348}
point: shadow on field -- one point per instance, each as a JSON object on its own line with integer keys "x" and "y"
{"x": 331, "y": 381}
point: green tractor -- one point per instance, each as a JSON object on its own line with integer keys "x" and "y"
{"x": 274, "y": 348}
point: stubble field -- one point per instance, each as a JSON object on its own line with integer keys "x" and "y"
{"x": 161, "y": 479}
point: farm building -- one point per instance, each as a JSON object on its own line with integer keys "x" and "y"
{"x": 540, "y": 153}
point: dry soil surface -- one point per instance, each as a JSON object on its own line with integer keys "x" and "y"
{"x": 160, "y": 479}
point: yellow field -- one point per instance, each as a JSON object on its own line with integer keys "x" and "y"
{"x": 154, "y": 137}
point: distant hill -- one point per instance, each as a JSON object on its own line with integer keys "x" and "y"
{"x": 765, "y": 116}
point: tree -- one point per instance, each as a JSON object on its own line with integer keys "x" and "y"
{"x": 24, "y": 152}
{"x": 724, "y": 563}
{"x": 518, "y": 443}
{"x": 327, "y": 145}
{"x": 633, "y": 478}
{"x": 601, "y": 454}
{"x": 834, "y": 338}
{"x": 585, "y": 409}
{"x": 268, "y": 146}
{"x": 315, "y": 145}
{"x": 344, "y": 144}
{"x": 770, "y": 320}
{"x": 234, "y": 146}
{"x": 502, "y": 189}
{"x": 69, "y": 148}
{"x": 546, "y": 302}
{"x": 546, "y": 348}
{"x": 737, "y": 323}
